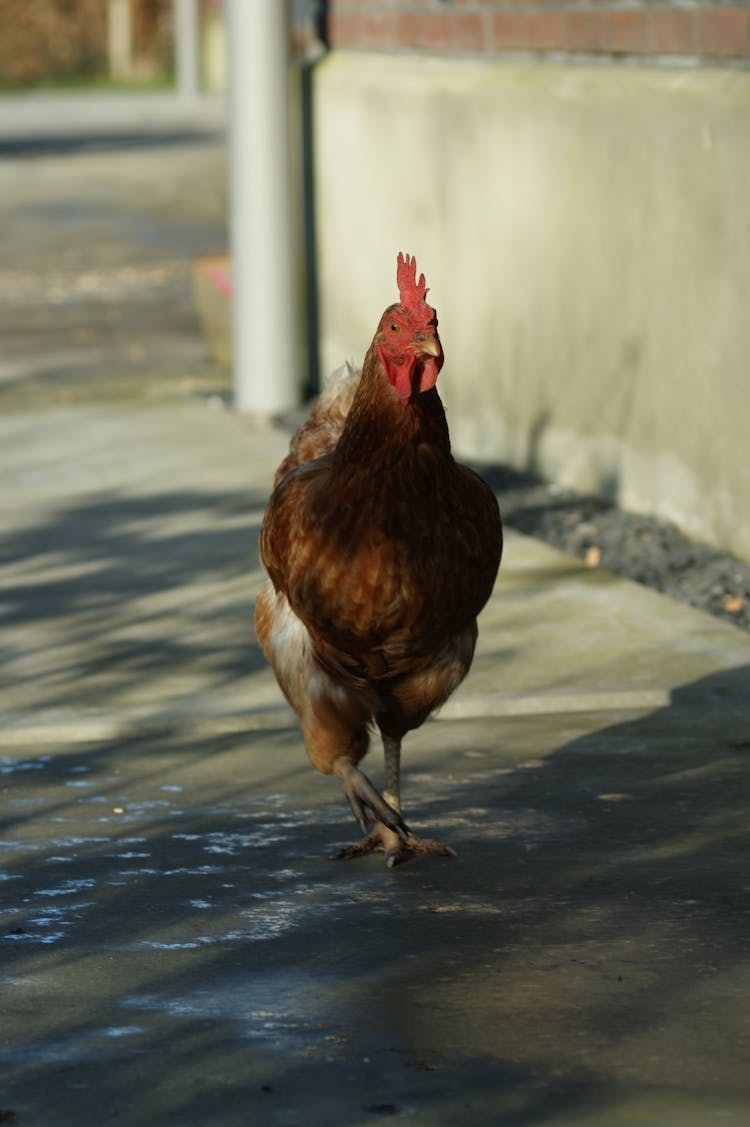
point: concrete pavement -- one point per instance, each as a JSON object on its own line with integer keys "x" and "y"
{"x": 36, "y": 121}
{"x": 176, "y": 946}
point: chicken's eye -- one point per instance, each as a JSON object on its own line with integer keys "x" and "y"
{"x": 394, "y": 327}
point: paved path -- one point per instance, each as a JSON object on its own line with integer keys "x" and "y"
{"x": 104, "y": 205}
{"x": 177, "y": 948}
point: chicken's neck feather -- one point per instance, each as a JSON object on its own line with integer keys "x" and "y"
{"x": 379, "y": 428}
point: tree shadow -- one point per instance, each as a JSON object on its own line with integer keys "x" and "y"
{"x": 196, "y": 950}
{"x": 116, "y": 592}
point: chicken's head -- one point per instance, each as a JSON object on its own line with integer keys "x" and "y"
{"x": 407, "y": 339}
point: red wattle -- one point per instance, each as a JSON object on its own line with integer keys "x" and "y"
{"x": 402, "y": 381}
{"x": 429, "y": 374}
{"x": 401, "y": 376}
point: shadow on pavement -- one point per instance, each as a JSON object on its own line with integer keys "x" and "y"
{"x": 112, "y": 597}
{"x": 170, "y": 913}
{"x": 58, "y": 145}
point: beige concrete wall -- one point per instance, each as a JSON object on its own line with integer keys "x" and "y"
{"x": 585, "y": 232}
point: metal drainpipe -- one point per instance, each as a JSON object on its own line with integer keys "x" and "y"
{"x": 265, "y": 312}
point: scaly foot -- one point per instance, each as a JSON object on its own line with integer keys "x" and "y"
{"x": 396, "y": 848}
{"x": 365, "y": 800}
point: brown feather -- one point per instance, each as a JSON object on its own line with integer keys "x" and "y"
{"x": 385, "y": 548}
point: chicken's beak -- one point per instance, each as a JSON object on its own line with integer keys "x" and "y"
{"x": 428, "y": 357}
{"x": 428, "y": 345}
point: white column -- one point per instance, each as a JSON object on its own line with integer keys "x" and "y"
{"x": 119, "y": 38}
{"x": 186, "y": 47}
{"x": 265, "y": 305}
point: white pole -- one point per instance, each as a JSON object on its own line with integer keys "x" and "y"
{"x": 186, "y": 47}
{"x": 119, "y": 34}
{"x": 265, "y": 317}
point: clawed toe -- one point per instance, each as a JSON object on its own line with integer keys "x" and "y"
{"x": 397, "y": 849}
{"x": 423, "y": 846}
{"x": 365, "y": 800}
{"x": 389, "y": 834}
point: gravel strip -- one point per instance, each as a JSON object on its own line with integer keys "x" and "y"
{"x": 646, "y": 549}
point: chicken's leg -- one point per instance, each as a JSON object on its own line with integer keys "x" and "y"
{"x": 392, "y": 840}
{"x": 364, "y": 798}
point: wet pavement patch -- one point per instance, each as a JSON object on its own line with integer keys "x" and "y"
{"x": 177, "y": 944}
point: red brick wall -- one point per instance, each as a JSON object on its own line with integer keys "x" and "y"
{"x": 709, "y": 30}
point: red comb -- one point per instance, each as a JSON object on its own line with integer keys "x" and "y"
{"x": 411, "y": 291}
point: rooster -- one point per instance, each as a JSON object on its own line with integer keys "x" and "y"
{"x": 381, "y": 550}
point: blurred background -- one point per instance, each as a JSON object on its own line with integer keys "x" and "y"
{"x": 100, "y": 43}
{"x": 572, "y": 175}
